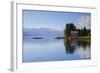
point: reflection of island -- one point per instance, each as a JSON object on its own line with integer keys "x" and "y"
{"x": 72, "y": 44}
{"x": 84, "y": 43}
{"x": 69, "y": 46}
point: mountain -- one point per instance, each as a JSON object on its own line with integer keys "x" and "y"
{"x": 42, "y": 32}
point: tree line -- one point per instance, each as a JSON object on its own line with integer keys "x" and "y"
{"x": 81, "y": 32}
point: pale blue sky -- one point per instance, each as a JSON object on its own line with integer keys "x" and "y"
{"x": 52, "y": 20}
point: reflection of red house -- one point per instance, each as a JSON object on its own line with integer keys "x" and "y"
{"x": 74, "y": 34}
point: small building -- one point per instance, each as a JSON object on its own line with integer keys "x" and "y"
{"x": 74, "y": 34}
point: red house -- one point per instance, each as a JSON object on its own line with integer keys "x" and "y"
{"x": 74, "y": 34}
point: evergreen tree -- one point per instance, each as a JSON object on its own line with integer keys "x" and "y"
{"x": 68, "y": 28}
{"x": 71, "y": 27}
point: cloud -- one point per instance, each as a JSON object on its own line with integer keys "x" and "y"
{"x": 84, "y": 21}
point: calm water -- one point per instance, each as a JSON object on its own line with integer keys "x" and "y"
{"x": 35, "y": 50}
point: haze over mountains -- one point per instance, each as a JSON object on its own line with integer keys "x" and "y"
{"x": 42, "y": 32}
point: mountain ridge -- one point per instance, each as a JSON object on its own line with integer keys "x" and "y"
{"x": 42, "y": 32}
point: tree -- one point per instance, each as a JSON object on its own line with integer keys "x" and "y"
{"x": 71, "y": 27}
{"x": 68, "y": 28}
{"x": 84, "y": 32}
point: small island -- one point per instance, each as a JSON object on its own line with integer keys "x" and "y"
{"x": 37, "y": 38}
{"x": 59, "y": 38}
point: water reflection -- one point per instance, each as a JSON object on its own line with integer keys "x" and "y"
{"x": 69, "y": 46}
{"x": 35, "y": 50}
{"x": 81, "y": 46}
{"x": 84, "y": 43}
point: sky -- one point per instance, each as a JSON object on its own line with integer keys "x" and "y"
{"x": 55, "y": 20}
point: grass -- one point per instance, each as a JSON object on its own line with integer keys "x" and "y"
{"x": 84, "y": 37}
{"x": 81, "y": 38}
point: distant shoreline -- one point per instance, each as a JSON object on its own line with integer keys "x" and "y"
{"x": 80, "y": 37}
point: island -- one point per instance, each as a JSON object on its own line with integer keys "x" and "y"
{"x": 37, "y": 38}
{"x": 59, "y": 38}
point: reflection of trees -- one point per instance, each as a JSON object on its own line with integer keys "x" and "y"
{"x": 68, "y": 47}
{"x": 84, "y": 43}
{"x": 71, "y": 44}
